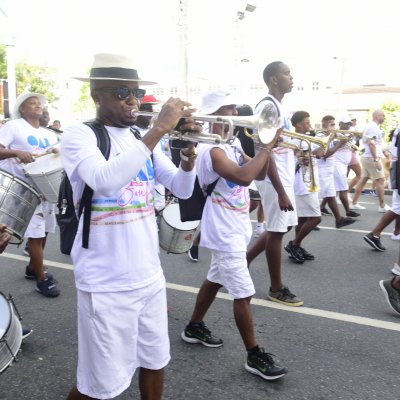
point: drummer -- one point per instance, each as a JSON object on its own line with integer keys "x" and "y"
{"x": 21, "y": 140}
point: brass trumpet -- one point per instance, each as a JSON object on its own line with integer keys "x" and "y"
{"x": 322, "y": 142}
{"x": 266, "y": 123}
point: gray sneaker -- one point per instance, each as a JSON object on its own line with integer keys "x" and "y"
{"x": 374, "y": 242}
{"x": 392, "y": 295}
{"x": 285, "y": 296}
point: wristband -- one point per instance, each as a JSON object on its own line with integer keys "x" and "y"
{"x": 189, "y": 157}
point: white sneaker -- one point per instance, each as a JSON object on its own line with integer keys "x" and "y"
{"x": 259, "y": 230}
{"x": 395, "y": 237}
{"x": 396, "y": 269}
{"x": 384, "y": 208}
{"x": 356, "y": 206}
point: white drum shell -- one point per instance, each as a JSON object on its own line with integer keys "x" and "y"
{"x": 174, "y": 235}
{"x": 18, "y": 202}
{"x": 46, "y": 173}
{"x": 10, "y": 333}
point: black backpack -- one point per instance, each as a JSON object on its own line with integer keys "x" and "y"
{"x": 191, "y": 209}
{"x": 67, "y": 219}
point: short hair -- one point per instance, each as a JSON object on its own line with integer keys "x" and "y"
{"x": 270, "y": 70}
{"x": 328, "y": 118}
{"x": 298, "y": 116}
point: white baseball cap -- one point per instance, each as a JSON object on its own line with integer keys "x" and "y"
{"x": 212, "y": 101}
{"x": 345, "y": 119}
{"x": 22, "y": 98}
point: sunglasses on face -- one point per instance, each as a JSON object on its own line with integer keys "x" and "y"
{"x": 123, "y": 92}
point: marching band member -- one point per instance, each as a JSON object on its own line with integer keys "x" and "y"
{"x": 307, "y": 201}
{"x": 121, "y": 293}
{"x": 23, "y": 138}
{"x": 342, "y": 159}
{"x": 226, "y": 231}
{"x": 326, "y": 176}
{"x": 276, "y": 189}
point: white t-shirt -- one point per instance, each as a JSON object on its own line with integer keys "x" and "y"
{"x": 123, "y": 251}
{"x": 284, "y": 157}
{"x": 18, "y": 134}
{"x": 372, "y": 130}
{"x": 300, "y": 187}
{"x": 225, "y": 224}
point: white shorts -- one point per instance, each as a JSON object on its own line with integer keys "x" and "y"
{"x": 277, "y": 220}
{"x": 49, "y": 212}
{"x": 117, "y": 333}
{"x": 308, "y": 205}
{"x": 230, "y": 270}
{"x": 340, "y": 177}
{"x": 327, "y": 185}
{"x": 396, "y": 202}
{"x": 37, "y": 226}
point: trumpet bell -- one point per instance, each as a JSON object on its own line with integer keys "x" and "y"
{"x": 268, "y": 123}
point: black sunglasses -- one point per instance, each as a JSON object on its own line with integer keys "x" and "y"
{"x": 123, "y": 92}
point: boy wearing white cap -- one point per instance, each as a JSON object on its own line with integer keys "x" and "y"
{"x": 226, "y": 231}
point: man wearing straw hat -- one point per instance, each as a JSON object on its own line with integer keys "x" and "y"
{"x": 122, "y": 310}
{"x": 20, "y": 141}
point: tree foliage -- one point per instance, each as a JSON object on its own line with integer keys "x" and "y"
{"x": 30, "y": 77}
{"x": 392, "y": 116}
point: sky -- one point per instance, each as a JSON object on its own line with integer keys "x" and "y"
{"x": 355, "y": 41}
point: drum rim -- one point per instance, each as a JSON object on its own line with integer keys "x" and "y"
{"x": 9, "y": 316}
{"x": 20, "y": 181}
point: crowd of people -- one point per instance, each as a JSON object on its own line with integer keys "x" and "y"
{"x": 295, "y": 175}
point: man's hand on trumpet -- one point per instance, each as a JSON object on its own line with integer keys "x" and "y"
{"x": 4, "y": 237}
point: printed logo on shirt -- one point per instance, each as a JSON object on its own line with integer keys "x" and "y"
{"x": 134, "y": 202}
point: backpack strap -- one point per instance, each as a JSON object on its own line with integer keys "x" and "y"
{"x": 211, "y": 187}
{"x": 85, "y": 206}
{"x": 272, "y": 101}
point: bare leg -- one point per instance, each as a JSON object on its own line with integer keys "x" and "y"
{"x": 257, "y": 248}
{"x": 260, "y": 213}
{"x": 359, "y": 187}
{"x": 380, "y": 191}
{"x": 306, "y": 227}
{"x": 36, "y": 257}
{"x": 273, "y": 251}
{"x": 334, "y": 207}
{"x": 151, "y": 383}
{"x": 343, "y": 196}
{"x": 204, "y": 299}
{"x": 397, "y": 226}
{"x": 357, "y": 170}
{"x": 244, "y": 321}
{"x": 386, "y": 219}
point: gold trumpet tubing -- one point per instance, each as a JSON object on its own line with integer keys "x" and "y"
{"x": 350, "y": 133}
{"x": 323, "y": 142}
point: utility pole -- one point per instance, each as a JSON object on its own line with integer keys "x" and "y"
{"x": 183, "y": 47}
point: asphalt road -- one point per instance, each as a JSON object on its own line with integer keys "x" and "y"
{"x": 340, "y": 345}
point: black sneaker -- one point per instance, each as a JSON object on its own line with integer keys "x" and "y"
{"x": 193, "y": 253}
{"x": 325, "y": 211}
{"x": 48, "y": 288}
{"x": 295, "y": 253}
{"x": 374, "y": 242}
{"x": 352, "y": 214}
{"x": 30, "y": 274}
{"x": 262, "y": 364}
{"x": 392, "y": 294}
{"x": 199, "y": 333}
{"x": 344, "y": 221}
{"x": 285, "y": 296}
{"x": 26, "y": 332}
{"x": 306, "y": 254}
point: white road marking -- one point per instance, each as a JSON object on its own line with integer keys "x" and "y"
{"x": 315, "y": 312}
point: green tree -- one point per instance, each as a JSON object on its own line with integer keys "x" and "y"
{"x": 392, "y": 116}
{"x": 30, "y": 77}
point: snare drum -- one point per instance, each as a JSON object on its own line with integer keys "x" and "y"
{"x": 46, "y": 174}
{"x": 10, "y": 333}
{"x": 174, "y": 235}
{"x": 18, "y": 202}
